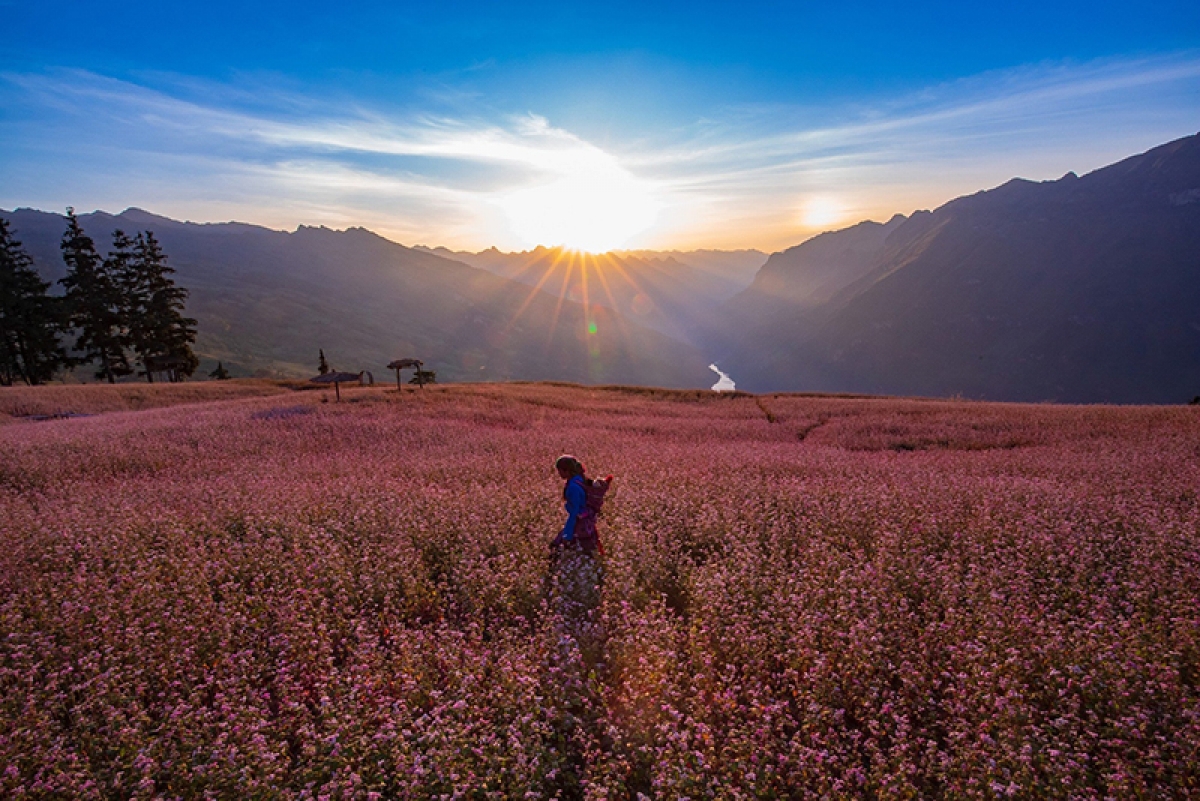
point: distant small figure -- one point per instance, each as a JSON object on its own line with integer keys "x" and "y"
{"x": 583, "y": 499}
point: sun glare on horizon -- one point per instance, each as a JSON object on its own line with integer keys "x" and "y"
{"x": 822, "y": 211}
{"x": 592, "y": 205}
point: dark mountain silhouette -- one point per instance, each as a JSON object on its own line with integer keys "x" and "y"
{"x": 661, "y": 290}
{"x": 1081, "y": 289}
{"x": 267, "y": 300}
{"x": 811, "y": 273}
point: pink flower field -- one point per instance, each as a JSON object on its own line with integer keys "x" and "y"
{"x": 277, "y": 596}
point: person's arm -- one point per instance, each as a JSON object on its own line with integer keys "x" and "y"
{"x": 576, "y": 503}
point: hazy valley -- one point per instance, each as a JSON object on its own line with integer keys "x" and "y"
{"x": 1082, "y": 289}
{"x": 267, "y": 300}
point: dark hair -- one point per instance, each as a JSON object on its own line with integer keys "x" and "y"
{"x": 570, "y": 464}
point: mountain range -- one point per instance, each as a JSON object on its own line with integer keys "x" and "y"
{"x": 267, "y": 301}
{"x": 677, "y": 293}
{"x": 1083, "y": 289}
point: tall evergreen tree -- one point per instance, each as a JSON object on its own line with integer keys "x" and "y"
{"x": 30, "y": 319}
{"x": 95, "y": 303}
{"x": 158, "y": 329}
{"x": 322, "y": 365}
{"x": 121, "y": 267}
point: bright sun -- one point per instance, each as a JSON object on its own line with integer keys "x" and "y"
{"x": 593, "y": 204}
{"x": 821, "y": 211}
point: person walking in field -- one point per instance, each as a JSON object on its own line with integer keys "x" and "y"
{"x": 583, "y": 498}
{"x": 574, "y": 582}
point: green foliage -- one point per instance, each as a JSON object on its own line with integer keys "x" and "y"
{"x": 221, "y": 374}
{"x": 30, "y": 319}
{"x": 424, "y": 377}
{"x": 94, "y": 300}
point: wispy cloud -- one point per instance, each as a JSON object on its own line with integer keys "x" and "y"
{"x": 741, "y": 176}
{"x": 528, "y": 141}
{"x": 920, "y": 150}
{"x": 1051, "y": 103}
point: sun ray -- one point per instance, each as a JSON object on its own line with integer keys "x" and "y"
{"x": 562, "y": 295}
{"x": 628, "y": 278}
{"x": 536, "y": 289}
{"x": 618, "y": 317}
{"x": 595, "y": 358}
{"x": 532, "y": 265}
{"x": 604, "y": 281}
{"x": 583, "y": 287}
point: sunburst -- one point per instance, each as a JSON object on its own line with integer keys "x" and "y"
{"x": 592, "y": 204}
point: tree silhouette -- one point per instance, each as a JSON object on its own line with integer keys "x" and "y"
{"x": 221, "y": 374}
{"x": 323, "y": 366}
{"x": 30, "y": 319}
{"x": 154, "y": 305}
{"x": 95, "y": 303}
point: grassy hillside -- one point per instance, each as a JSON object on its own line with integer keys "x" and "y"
{"x": 283, "y": 595}
{"x": 21, "y": 402}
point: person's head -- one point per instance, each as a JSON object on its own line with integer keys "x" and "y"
{"x": 568, "y": 466}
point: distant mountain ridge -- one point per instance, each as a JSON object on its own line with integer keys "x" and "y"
{"x": 1081, "y": 289}
{"x": 267, "y": 300}
{"x": 675, "y": 292}
{"x": 813, "y": 272}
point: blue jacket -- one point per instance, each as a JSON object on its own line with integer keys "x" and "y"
{"x": 576, "y": 501}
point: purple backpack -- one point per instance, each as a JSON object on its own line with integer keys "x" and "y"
{"x": 585, "y": 525}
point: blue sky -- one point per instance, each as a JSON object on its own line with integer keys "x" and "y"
{"x": 656, "y": 124}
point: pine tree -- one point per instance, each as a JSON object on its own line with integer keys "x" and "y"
{"x": 158, "y": 329}
{"x": 30, "y": 319}
{"x": 221, "y": 374}
{"x": 95, "y": 303}
{"x": 322, "y": 366}
{"x": 121, "y": 268}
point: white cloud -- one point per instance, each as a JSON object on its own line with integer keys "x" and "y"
{"x": 740, "y": 177}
